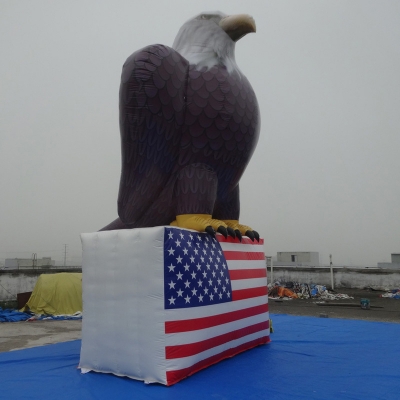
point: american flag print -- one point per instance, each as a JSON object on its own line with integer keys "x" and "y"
{"x": 215, "y": 299}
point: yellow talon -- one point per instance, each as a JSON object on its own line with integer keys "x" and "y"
{"x": 197, "y": 222}
{"x": 234, "y": 224}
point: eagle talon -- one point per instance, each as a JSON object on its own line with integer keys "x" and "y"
{"x": 256, "y": 235}
{"x": 238, "y": 235}
{"x": 250, "y": 235}
{"x": 221, "y": 229}
{"x": 231, "y": 232}
{"x": 210, "y": 231}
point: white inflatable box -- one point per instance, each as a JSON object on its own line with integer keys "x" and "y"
{"x": 162, "y": 303}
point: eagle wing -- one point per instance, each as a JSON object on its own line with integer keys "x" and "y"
{"x": 152, "y": 103}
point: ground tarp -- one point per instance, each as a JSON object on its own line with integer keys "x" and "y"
{"x": 56, "y": 294}
{"x": 308, "y": 358}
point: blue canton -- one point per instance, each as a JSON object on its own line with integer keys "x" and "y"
{"x": 195, "y": 270}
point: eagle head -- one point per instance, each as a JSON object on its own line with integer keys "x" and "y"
{"x": 209, "y": 38}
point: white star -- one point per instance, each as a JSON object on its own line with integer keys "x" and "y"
{"x": 187, "y": 284}
{"x": 207, "y": 239}
{"x": 205, "y": 290}
{"x": 192, "y": 259}
{"x": 198, "y": 244}
{"x": 191, "y": 236}
{"x": 212, "y": 252}
{"x": 201, "y": 298}
{"x": 171, "y": 268}
{"x": 220, "y": 295}
{"x": 193, "y": 275}
{"x": 187, "y": 299}
{"x": 202, "y": 258}
{"x": 222, "y": 273}
{"x": 179, "y": 293}
{"x": 178, "y": 243}
{"x": 186, "y": 266}
{"x": 213, "y": 245}
{"x": 179, "y": 275}
{"x": 228, "y": 294}
{"x": 224, "y": 288}
{"x": 179, "y": 260}
{"x": 200, "y": 282}
{"x": 224, "y": 265}
{"x": 171, "y": 252}
{"x": 204, "y": 274}
{"x": 208, "y": 266}
{"x": 196, "y": 251}
{"x": 199, "y": 237}
{"x": 206, "y": 245}
{"x": 181, "y": 235}
{"x": 185, "y": 251}
{"x": 219, "y": 281}
{"x": 216, "y": 266}
{"x": 215, "y": 289}
{"x": 189, "y": 244}
{"x": 194, "y": 292}
{"x": 211, "y": 296}
{"x": 210, "y": 282}
{"x": 198, "y": 267}
{"x": 220, "y": 252}
{"x": 170, "y": 235}
{"x": 226, "y": 280}
{"x": 172, "y": 285}
{"x": 171, "y": 300}
{"x": 218, "y": 259}
{"x": 204, "y": 251}
{"x": 213, "y": 274}
{"x": 210, "y": 258}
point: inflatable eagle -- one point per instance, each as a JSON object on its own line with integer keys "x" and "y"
{"x": 189, "y": 123}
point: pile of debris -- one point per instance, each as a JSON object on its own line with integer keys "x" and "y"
{"x": 296, "y": 290}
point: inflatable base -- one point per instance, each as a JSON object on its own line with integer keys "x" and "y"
{"x": 162, "y": 303}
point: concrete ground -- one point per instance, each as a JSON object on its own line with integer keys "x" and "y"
{"x": 21, "y": 335}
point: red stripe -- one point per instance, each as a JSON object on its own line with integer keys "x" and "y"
{"x": 177, "y": 375}
{"x": 245, "y": 240}
{"x": 249, "y": 293}
{"x": 187, "y": 350}
{"x": 236, "y": 274}
{"x": 195, "y": 324}
{"x": 244, "y": 255}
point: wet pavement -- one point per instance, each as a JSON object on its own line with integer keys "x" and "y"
{"x": 22, "y": 335}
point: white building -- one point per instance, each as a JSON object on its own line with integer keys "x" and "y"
{"x": 298, "y": 258}
{"x": 395, "y": 264}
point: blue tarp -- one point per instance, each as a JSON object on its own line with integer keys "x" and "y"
{"x": 8, "y": 315}
{"x": 308, "y": 358}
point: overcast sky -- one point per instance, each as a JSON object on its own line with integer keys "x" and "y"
{"x": 325, "y": 175}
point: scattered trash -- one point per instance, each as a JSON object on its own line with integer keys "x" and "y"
{"x": 393, "y": 294}
{"x": 293, "y": 290}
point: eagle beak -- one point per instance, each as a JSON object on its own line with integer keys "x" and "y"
{"x": 237, "y": 26}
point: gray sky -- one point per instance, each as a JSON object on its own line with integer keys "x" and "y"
{"x": 325, "y": 174}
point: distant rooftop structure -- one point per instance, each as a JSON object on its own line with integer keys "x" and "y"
{"x": 28, "y": 263}
{"x": 395, "y": 258}
{"x": 298, "y": 258}
{"x": 395, "y": 264}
